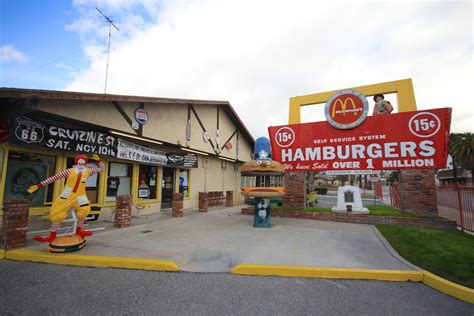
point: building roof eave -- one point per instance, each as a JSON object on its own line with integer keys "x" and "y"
{"x": 84, "y": 96}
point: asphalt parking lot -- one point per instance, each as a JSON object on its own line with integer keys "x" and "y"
{"x": 44, "y": 289}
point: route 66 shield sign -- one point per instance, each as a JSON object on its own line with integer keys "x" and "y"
{"x": 28, "y": 130}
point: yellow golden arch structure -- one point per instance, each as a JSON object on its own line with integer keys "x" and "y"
{"x": 403, "y": 89}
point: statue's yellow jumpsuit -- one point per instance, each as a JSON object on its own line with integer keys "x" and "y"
{"x": 73, "y": 195}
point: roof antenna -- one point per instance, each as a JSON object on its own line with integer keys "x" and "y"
{"x": 108, "y": 49}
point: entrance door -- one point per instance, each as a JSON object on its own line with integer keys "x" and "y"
{"x": 167, "y": 187}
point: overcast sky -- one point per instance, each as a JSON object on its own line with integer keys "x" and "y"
{"x": 254, "y": 54}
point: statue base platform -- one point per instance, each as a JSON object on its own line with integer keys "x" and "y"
{"x": 67, "y": 244}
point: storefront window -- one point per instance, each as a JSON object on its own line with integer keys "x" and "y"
{"x": 184, "y": 182}
{"x": 92, "y": 186}
{"x": 147, "y": 182}
{"x": 119, "y": 180}
{"x": 25, "y": 170}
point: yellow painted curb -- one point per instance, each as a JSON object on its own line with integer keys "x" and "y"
{"x": 2, "y": 254}
{"x": 458, "y": 291}
{"x": 330, "y": 273}
{"x": 92, "y": 261}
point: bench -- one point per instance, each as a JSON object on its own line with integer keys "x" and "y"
{"x": 311, "y": 199}
{"x": 215, "y": 198}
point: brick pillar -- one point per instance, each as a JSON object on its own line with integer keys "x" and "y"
{"x": 229, "y": 198}
{"x": 203, "y": 202}
{"x": 177, "y": 205}
{"x": 15, "y": 223}
{"x": 295, "y": 187}
{"x": 123, "y": 211}
{"x": 418, "y": 191}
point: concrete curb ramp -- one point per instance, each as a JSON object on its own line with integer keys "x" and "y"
{"x": 93, "y": 261}
{"x": 447, "y": 287}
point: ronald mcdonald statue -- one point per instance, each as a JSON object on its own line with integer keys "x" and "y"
{"x": 73, "y": 196}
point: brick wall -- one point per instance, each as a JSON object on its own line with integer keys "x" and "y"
{"x": 177, "y": 205}
{"x": 295, "y": 187}
{"x": 203, "y": 202}
{"x": 229, "y": 198}
{"x": 123, "y": 211}
{"x": 418, "y": 191}
{"x": 15, "y": 223}
{"x": 361, "y": 219}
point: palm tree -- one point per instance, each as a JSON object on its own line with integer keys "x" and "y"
{"x": 462, "y": 151}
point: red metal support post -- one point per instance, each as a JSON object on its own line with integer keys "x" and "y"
{"x": 460, "y": 205}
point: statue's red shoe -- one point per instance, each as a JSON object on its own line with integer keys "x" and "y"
{"x": 84, "y": 233}
{"x": 51, "y": 236}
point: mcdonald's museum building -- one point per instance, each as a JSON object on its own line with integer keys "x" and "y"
{"x": 151, "y": 147}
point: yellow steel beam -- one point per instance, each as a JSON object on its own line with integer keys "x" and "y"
{"x": 403, "y": 89}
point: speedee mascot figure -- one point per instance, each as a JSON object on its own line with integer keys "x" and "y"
{"x": 262, "y": 179}
{"x": 73, "y": 196}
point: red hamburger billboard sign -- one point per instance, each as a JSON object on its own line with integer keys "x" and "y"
{"x": 408, "y": 140}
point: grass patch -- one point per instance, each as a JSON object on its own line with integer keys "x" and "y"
{"x": 370, "y": 197}
{"x": 377, "y": 210}
{"x": 446, "y": 253}
{"x": 306, "y": 209}
{"x": 387, "y": 210}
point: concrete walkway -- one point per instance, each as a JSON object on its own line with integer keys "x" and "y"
{"x": 223, "y": 238}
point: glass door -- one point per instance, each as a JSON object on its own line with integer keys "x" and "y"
{"x": 167, "y": 187}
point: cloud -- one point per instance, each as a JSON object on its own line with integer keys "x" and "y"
{"x": 8, "y": 53}
{"x": 257, "y": 54}
{"x": 71, "y": 71}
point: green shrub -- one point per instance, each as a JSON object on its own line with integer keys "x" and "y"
{"x": 322, "y": 191}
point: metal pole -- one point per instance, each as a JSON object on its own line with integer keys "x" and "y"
{"x": 111, "y": 23}
{"x": 108, "y": 52}
{"x": 390, "y": 190}
{"x": 461, "y": 211}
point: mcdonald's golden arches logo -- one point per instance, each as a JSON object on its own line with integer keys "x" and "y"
{"x": 347, "y": 101}
{"x": 346, "y": 109}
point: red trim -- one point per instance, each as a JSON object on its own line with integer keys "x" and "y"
{"x": 78, "y": 181}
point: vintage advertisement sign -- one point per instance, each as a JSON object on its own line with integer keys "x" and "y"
{"x": 130, "y": 151}
{"x": 141, "y": 116}
{"x": 30, "y": 132}
{"x": 346, "y": 109}
{"x": 34, "y": 133}
{"x": 182, "y": 160}
{"x": 408, "y": 140}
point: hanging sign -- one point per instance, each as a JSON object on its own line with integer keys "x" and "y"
{"x": 141, "y": 116}
{"x": 182, "y": 160}
{"x": 409, "y": 140}
{"x": 130, "y": 151}
{"x": 34, "y": 133}
{"x": 205, "y": 136}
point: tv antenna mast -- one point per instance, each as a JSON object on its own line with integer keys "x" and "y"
{"x": 111, "y": 23}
